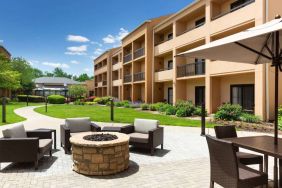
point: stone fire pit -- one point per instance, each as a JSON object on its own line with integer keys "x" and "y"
{"x": 91, "y": 157}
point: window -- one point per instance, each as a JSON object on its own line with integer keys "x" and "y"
{"x": 237, "y": 4}
{"x": 169, "y": 65}
{"x": 199, "y": 66}
{"x": 170, "y": 36}
{"x": 244, "y": 96}
{"x": 199, "y": 95}
{"x": 170, "y": 95}
{"x": 200, "y": 22}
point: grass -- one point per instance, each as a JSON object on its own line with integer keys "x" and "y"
{"x": 121, "y": 115}
{"x": 11, "y": 116}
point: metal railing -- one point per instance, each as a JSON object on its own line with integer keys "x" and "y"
{"x": 139, "y": 53}
{"x": 191, "y": 69}
{"x": 140, "y": 76}
{"x": 232, "y": 10}
{"x": 127, "y": 78}
{"x": 127, "y": 58}
{"x": 163, "y": 41}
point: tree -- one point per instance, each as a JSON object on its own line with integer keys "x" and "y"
{"x": 58, "y": 72}
{"x": 26, "y": 73}
{"x": 9, "y": 79}
{"x": 37, "y": 73}
{"x": 77, "y": 90}
{"x": 81, "y": 78}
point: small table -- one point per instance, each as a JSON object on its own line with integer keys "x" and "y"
{"x": 266, "y": 146}
{"x": 54, "y": 135}
{"x": 111, "y": 129}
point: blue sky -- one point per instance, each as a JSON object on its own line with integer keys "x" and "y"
{"x": 70, "y": 33}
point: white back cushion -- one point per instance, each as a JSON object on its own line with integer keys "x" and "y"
{"x": 17, "y": 131}
{"x": 78, "y": 124}
{"x": 145, "y": 125}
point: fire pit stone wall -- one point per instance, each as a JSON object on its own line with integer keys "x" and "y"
{"x": 100, "y": 157}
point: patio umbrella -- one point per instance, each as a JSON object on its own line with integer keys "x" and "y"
{"x": 257, "y": 45}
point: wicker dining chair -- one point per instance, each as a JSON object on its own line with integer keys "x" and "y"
{"x": 229, "y": 131}
{"x": 225, "y": 169}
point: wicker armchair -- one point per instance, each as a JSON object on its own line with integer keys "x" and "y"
{"x": 74, "y": 126}
{"x": 19, "y": 145}
{"x": 225, "y": 169}
{"x": 229, "y": 131}
{"x": 145, "y": 133}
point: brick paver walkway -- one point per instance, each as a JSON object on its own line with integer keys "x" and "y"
{"x": 184, "y": 162}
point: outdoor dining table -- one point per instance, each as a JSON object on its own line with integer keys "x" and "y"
{"x": 266, "y": 146}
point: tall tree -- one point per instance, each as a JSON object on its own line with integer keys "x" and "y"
{"x": 58, "y": 72}
{"x": 37, "y": 73}
{"x": 77, "y": 90}
{"x": 9, "y": 79}
{"x": 82, "y": 78}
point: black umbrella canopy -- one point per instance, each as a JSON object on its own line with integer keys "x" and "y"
{"x": 257, "y": 45}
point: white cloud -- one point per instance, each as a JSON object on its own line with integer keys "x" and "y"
{"x": 77, "y": 50}
{"x": 1, "y": 41}
{"x": 77, "y": 38}
{"x": 109, "y": 39}
{"x": 116, "y": 39}
{"x": 33, "y": 62}
{"x": 97, "y": 43}
{"x": 98, "y": 51}
{"x": 87, "y": 70}
{"x": 52, "y": 64}
{"x": 74, "y": 62}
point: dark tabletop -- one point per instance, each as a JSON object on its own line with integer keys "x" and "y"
{"x": 261, "y": 144}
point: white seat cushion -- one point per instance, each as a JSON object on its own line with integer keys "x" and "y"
{"x": 17, "y": 131}
{"x": 145, "y": 125}
{"x": 139, "y": 137}
{"x": 78, "y": 124}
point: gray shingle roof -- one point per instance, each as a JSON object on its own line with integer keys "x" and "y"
{"x": 55, "y": 80}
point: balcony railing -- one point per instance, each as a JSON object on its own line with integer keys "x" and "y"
{"x": 191, "y": 69}
{"x": 233, "y": 9}
{"x": 127, "y": 78}
{"x": 104, "y": 83}
{"x": 114, "y": 62}
{"x": 127, "y": 58}
{"x": 139, "y": 53}
{"x": 164, "y": 69}
{"x": 190, "y": 29}
{"x": 140, "y": 76}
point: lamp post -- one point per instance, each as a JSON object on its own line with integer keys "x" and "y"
{"x": 203, "y": 119}
{"x": 46, "y": 103}
{"x": 112, "y": 109}
{"x": 27, "y": 96}
{"x": 4, "y": 109}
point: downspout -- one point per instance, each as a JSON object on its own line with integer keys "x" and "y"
{"x": 267, "y": 68}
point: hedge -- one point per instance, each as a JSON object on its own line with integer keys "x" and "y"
{"x": 31, "y": 98}
{"x": 56, "y": 99}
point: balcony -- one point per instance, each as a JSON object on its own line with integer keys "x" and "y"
{"x": 117, "y": 82}
{"x": 127, "y": 58}
{"x": 117, "y": 66}
{"x": 127, "y": 78}
{"x": 164, "y": 75}
{"x": 100, "y": 84}
{"x": 190, "y": 29}
{"x": 140, "y": 76}
{"x": 191, "y": 69}
{"x": 139, "y": 53}
{"x": 101, "y": 70}
{"x": 233, "y": 17}
{"x": 104, "y": 82}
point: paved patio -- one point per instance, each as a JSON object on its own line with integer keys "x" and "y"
{"x": 184, "y": 162}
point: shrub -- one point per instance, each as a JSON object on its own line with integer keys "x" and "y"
{"x": 135, "y": 105}
{"x": 159, "y": 105}
{"x": 79, "y": 102}
{"x": 164, "y": 107}
{"x": 229, "y": 112}
{"x": 90, "y": 103}
{"x": 171, "y": 110}
{"x": 126, "y": 105}
{"x": 8, "y": 100}
{"x": 280, "y": 111}
{"x": 56, "y": 99}
{"x": 144, "y": 106}
{"x": 198, "y": 111}
{"x": 153, "y": 107}
{"x": 250, "y": 118}
{"x": 121, "y": 103}
{"x": 97, "y": 100}
{"x": 188, "y": 105}
{"x": 181, "y": 112}
{"x": 31, "y": 98}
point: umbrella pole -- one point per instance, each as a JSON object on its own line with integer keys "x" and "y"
{"x": 276, "y": 62}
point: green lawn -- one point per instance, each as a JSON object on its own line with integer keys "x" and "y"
{"x": 121, "y": 115}
{"x": 11, "y": 116}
